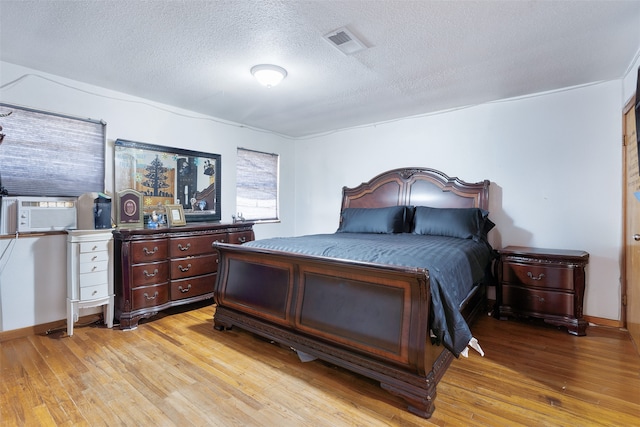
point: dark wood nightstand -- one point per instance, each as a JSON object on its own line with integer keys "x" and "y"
{"x": 544, "y": 283}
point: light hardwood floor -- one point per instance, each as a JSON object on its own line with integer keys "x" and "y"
{"x": 177, "y": 371}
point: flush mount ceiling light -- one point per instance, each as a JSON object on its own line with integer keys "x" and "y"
{"x": 268, "y": 75}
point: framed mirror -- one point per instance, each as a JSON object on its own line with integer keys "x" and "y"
{"x": 170, "y": 176}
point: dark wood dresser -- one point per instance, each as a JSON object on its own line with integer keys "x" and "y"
{"x": 155, "y": 269}
{"x": 544, "y": 283}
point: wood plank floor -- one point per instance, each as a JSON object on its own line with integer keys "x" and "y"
{"x": 177, "y": 371}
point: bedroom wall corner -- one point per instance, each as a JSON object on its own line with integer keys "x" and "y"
{"x": 131, "y": 118}
{"x": 553, "y": 160}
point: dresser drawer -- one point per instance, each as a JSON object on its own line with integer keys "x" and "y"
{"x": 195, "y": 266}
{"x": 150, "y": 296}
{"x": 538, "y": 275}
{"x": 194, "y": 245}
{"x": 535, "y": 301}
{"x": 146, "y": 274}
{"x": 92, "y": 279}
{"x": 96, "y": 246}
{"x": 240, "y": 237}
{"x": 149, "y": 250}
{"x": 194, "y": 286}
{"x": 93, "y": 267}
{"x": 94, "y": 292}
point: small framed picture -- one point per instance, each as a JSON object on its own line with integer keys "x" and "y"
{"x": 129, "y": 209}
{"x": 175, "y": 215}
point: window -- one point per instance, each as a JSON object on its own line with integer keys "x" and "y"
{"x": 257, "y": 185}
{"x": 46, "y": 154}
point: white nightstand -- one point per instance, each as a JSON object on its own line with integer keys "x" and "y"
{"x": 89, "y": 274}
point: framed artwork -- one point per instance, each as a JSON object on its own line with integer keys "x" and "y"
{"x": 175, "y": 215}
{"x": 129, "y": 212}
{"x": 170, "y": 176}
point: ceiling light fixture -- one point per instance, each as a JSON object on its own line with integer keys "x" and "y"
{"x": 268, "y": 75}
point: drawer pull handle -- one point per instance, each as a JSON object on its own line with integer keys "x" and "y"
{"x": 539, "y": 298}
{"x": 147, "y": 297}
{"x": 183, "y": 269}
{"x": 94, "y": 268}
{"x": 184, "y": 248}
{"x": 94, "y": 248}
{"x": 93, "y": 293}
{"x": 148, "y": 252}
{"x": 146, "y": 273}
{"x": 530, "y": 275}
{"x": 95, "y": 257}
{"x": 242, "y": 239}
{"x": 184, "y": 291}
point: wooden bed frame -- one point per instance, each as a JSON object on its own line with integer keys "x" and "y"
{"x": 323, "y": 307}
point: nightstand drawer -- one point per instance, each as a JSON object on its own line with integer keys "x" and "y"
{"x": 94, "y": 256}
{"x": 538, "y": 275}
{"x": 92, "y": 279}
{"x": 535, "y": 301}
{"x": 93, "y": 267}
{"x": 94, "y": 292}
{"x": 96, "y": 246}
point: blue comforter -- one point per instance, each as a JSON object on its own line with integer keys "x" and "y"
{"x": 454, "y": 265}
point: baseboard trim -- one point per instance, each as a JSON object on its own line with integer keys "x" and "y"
{"x": 601, "y": 321}
{"x": 46, "y": 328}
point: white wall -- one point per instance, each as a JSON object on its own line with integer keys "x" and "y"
{"x": 554, "y": 162}
{"x": 32, "y": 280}
{"x": 629, "y": 80}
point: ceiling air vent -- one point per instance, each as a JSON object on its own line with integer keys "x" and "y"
{"x": 344, "y": 40}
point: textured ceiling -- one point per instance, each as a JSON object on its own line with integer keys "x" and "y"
{"x": 422, "y": 56}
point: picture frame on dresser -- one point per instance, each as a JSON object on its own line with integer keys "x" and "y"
{"x": 175, "y": 215}
{"x": 169, "y": 176}
{"x": 129, "y": 211}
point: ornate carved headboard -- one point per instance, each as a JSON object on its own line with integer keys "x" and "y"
{"x": 416, "y": 187}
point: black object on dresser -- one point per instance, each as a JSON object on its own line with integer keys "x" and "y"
{"x": 544, "y": 283}
{"x": 160, "y": 268}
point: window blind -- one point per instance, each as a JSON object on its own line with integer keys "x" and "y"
{"x": 257, "y": 185}
{"x": 48, "y": 154}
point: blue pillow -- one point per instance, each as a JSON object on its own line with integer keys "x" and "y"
{"x": 372, "y": 220}
{"x": 465, "y": 223}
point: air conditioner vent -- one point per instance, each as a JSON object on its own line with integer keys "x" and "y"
{"x": 340, "y": 38}
{"x": 344, "y": 40}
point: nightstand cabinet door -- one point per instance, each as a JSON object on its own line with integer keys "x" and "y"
{"x": 544, "y": 283}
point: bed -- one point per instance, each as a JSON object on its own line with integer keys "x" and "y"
{"x": 390, "y": 295}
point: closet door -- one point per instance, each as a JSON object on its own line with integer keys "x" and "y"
{"x": 631, "y": 238}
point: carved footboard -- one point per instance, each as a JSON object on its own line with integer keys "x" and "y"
{"x": 369, "y": 319}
